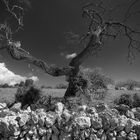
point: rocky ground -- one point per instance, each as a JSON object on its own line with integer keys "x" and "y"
{"x": 86, "y": 123}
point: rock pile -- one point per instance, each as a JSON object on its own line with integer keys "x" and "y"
{"x": 93, "y": 123}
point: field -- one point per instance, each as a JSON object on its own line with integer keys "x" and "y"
{"x": 8, "y": 94}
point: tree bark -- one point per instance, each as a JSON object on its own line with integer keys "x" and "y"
{"x": 77, "y": 61}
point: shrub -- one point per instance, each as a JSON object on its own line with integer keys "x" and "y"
{"x": 29, "y": 82}
{"x": 21, "y": 84}
{"x": 136, "y": 100}
{"x": 130, "y": 84}
{"x": 5, "y": 85}
{"x": 28, "y": 97}
{"x": 61, "y": 86}
{"x": 130, "y": 100}
{"x": 125, "y": 99}
{"x": 46, "y": 87}
{"x": 96, "y": 78}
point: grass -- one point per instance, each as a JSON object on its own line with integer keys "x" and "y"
{"x": 9, "y": 93}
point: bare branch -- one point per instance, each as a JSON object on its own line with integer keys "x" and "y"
{"x": 92, "y": 14}
{"x": 130, "y": 34}
{"x": 16, "y": 12}
{"x": 18, "y": 53}
{"x": 128, "y": 12}
{"x": 92, "y": 48}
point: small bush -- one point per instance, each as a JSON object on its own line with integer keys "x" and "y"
{"x": 124, "y": 99}
{"x": 136, "y": 100}
{"x": 29, "y": 82}
{"x": 100, "y": 95}
{"x": 96, "y": 78}
{"x": 130, "y": 100}
{"x": 46, "y": 87}
{"x": 129, "y": 84}
{"x": 28, "y": 97}
{"x": 61, "y": 86}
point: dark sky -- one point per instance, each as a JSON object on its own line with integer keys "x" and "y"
{"x": 43, "y": 36}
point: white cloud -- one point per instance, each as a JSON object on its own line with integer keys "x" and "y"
{"x": 70, "y": 56}
{"x": 34, "y": 78}
{"x": 9, "y": 77}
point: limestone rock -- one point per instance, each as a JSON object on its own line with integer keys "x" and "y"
{"x": 54, "y": 137}
{"x": 122, "y": 123}
{"x": 66, "y": 115}
{"x": 59, "y": 108}
{"x": 50, "y": 119}
{"x": 82, "y": 108}
{"x": 3, "y": 105}
{"x": 129, "y": 126}
{"x": 16, "y": 106}
{"x": 55, "y": 130}
{"x": 91, "y": 110}
{"x": 96, "y": 123}
{"x": 101, "y": 107}
{"x": 130, "y": 114}
{"x": 44, "y": 138}
{"x": 35, "y": 137}
{"x": 94, "y": 137}
{"x": 23, "y": 119}
{"x": 49, "y": 133}
{"x": 65, "y": 136}
{"x": 12, "y": 138}
{"x": 104, "y": 137}
{"x": 42, "y": 131}
{"x": 122, "y": 135}
{"x": 132, "y": 136}
{"x": 100, "y": 133}
{"x": 83, "y": 122}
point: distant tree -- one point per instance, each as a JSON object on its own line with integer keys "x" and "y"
{"x": 96, "y": 78}
{"x": 119, "y": 84}
{"x": 21, "y": 84}
{"x": 103, "y": 23}
{"x": 129, "y": 84}
{"x": 5, "y": 85}
{"x": 29, "y": 83}
{"x": 61, "y": 86}
{"x": 47, "y": 87}
{"x": 16, "y": 85}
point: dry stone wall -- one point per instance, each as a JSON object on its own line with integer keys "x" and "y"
{"x": 85, "y": 123}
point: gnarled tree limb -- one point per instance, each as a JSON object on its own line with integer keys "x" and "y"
{"x": 19, "y": 54}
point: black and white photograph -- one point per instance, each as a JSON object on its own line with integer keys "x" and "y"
{"x": 70, "y": 70}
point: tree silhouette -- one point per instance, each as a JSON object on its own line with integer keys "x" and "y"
{"x": 102, "y": 24}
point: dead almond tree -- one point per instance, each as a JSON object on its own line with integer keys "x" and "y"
{"x": 99, "y": 29}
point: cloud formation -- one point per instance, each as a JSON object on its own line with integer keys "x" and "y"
{"x": 9, "y": 77}
{"x": 70, "y": 56}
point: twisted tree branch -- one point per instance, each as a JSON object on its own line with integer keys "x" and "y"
{"x": 18, "y": 53}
